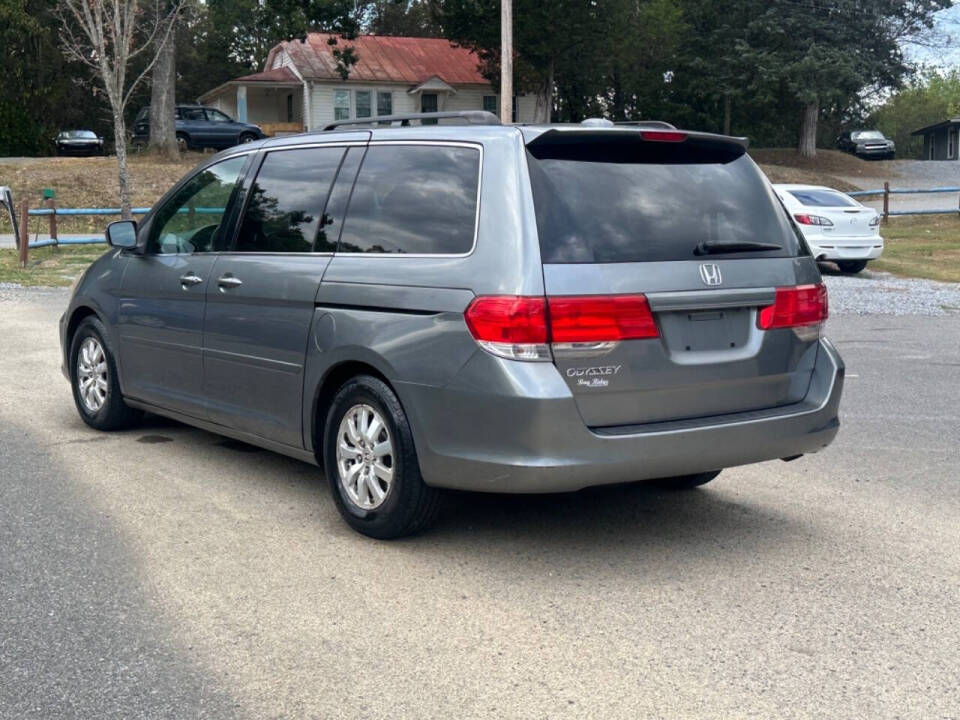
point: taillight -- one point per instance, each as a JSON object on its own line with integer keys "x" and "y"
{"x": 521, "y": 328}
{"x": 600, "y": 318}
{"x": 804, "y": 307}
{"x": 663, "y": 135}
{"x": 510, "y": 326}
{"x": 805, "y": 219}
{"x": 874, "y": 221}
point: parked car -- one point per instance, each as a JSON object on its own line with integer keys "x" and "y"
{"x": 867, "y": 144}
{"x": 199, "y": 127}
{"x": 835, "y": 226}
{"x": 493, "y": 308}
{"x": 78, "y": 142}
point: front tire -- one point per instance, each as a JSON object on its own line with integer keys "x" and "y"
{"x": 686, "y": 482}
{"x": 851, "y": 266}
{"x": 183, "y": 142}
{"x": 93, "y": 376}
{"x": 247, "y": 138}
{"x": 371, "y": 462}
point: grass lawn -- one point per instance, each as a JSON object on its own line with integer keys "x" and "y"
{"x": 49, "y": 267}
{"x": 927, "y": 246}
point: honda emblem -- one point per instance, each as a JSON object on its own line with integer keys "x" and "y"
{"x": 710, "y": 274}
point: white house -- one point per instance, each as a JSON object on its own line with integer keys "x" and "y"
{"x": 301, "y": 89}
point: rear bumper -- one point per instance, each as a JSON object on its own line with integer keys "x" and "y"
{"x": 849, "y": 248}
{"x": 516, "y": 429}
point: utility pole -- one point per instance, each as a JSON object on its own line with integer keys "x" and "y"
{"x": 506, "y": 61}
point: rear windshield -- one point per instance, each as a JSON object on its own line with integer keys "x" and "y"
{"x": 822, "y": 198}
{"x": 615, "y": 203}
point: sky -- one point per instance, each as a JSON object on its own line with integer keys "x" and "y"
{"x": 946, "y": 53}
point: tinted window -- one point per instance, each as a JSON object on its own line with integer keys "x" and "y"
{"x": 644, "y": 201}
{"x": 413, "y": 199}
{"x": 189, "y": 221}
{"x": 217, "y": 116}
{"x": 286, "y": 201}
{"x": 192, "y": 114}
{"x": 822, "y": 198}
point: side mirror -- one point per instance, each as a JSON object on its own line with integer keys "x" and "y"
{"x": 122, "y": 234}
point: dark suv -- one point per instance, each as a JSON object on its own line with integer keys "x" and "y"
{"x": 199, "y": 127}
{"x": 867, "y": 144}
{"x": 495, "y": 308}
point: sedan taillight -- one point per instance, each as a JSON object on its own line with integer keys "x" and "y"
{"x": 806, "y": 219}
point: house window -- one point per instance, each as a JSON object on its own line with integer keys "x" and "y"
{"x": 341, "y": 105}
{"x": 491, "y": 103}
{"x": 384, "y": 103}
{"x": 289, "y": 108}
{"x": 362, "y": 102}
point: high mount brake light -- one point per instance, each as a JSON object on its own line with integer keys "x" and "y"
{"x": 521, "y": 328}
{"x": 663, "y": 135}
{"x": 793, "y": 307}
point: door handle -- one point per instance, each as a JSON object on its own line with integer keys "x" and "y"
{"x": 229, "y": 281}
{"x": 190, "y": 279}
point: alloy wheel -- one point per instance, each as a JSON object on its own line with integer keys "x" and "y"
{"x": 92, "y": 374}
{"x": 365, "y": 457}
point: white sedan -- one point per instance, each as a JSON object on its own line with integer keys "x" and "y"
{"x": 835, "y": 226}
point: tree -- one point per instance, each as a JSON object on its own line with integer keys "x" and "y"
{"x": 827, "y": 54}
{"x": 106, "y": 35}
{"x": 163, "y": 80}
{"x": 929, "y": 98}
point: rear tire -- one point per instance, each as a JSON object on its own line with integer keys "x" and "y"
{"x": 851, "y": 266}
{"x": 183, "y": 142}
{"x": 93, "y": 376}
{"x": 686, "y": 482}
{"x": 371, "y": 462}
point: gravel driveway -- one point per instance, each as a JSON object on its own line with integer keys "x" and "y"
{"x": 878, "y": 293}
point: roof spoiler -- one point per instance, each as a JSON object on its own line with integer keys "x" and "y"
{"x": 471, "y": 117}
{"x": 638, "y": 132}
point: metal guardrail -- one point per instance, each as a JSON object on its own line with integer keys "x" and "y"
{"x": 886, "y": 191}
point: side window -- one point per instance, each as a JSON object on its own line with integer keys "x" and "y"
{"x": 189, "y": 222}
{"x": 286, "y": 201}
{"x": 217, "y": 116}
{"x": 413, "y": 199}
{"x": 192, "y": 114}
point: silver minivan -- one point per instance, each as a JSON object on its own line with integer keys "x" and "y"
{"x": 517, "y": 309}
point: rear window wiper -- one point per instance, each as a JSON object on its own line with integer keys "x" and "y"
{"x": 711, "y": 247}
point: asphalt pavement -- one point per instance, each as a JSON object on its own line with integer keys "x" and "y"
{"x": 165, "y": 572}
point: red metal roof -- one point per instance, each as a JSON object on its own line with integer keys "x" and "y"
{"x": 384, "y": 59}
{"x": 277, "y": 75}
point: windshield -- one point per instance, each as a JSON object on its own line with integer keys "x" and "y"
{"x": 611, "y": 206}
{"x": 822, "y": 198}
{"x": 79, "y": 134}
{"x": 868, "y": 135}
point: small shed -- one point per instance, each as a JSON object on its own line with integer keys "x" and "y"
{"x": 940, "y": 140}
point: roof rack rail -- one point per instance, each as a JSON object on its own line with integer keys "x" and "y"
{"x": 660, "y": 124}
{"x": 473, "y": 117}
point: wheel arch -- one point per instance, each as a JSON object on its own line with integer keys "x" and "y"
{"x": 332, "y": 381}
